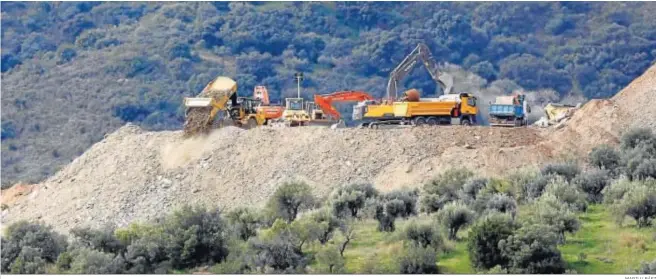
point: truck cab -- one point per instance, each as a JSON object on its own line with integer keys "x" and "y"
{"x": 509, "y": 111}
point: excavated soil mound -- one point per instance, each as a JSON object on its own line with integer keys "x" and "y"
{"x": 137, "y": 175}
{"x": 604, "y": 121}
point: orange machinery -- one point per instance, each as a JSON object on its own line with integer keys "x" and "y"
{"x": 270, "y": 111}
{"x": 325, "y": 101}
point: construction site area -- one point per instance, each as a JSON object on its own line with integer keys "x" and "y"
{"x": 235, "y": 151}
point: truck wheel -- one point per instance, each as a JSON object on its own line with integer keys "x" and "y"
{"x": 431, "y": 121}
{"x": 420, "y": 121}
{"x": 465, "y": 122}
{"x": 252, "y": 123}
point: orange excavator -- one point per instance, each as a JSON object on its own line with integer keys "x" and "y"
{"x": 324, "y": 102}
{"x": 270, "y": 112}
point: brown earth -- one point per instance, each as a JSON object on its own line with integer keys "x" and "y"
{"x": 136, "y": 175}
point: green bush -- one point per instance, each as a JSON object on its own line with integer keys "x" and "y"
{"x": 533, "y": 250}
{"x": 502, "y": 203}
{"x": 647, "y": 268}
{"x": 349, "y": 200}
{"x": 418, "y": 260}
{"x": 195, "y": 236}
{"x": 26, "y": 247}
{"x": 378, "y": 210}
{"x": 329, "y": 260}
{"x": 327, "y": 223}
{"x": 566, "y": 170}
{"x": 640, "y": 204}
{"x": 424, "y": 235}
{"x": 484, "y": 238}
{"x": 472, "y": 187}
{"x": 148, "y": 254}
{"x": 637, "y": 137}
{"x": 568, "y": 194}
{"x": 605, "y": 157}
{"x": 289, "y": 199}
{"x": 455, "y": 216}
{"x": 408, "y": 199}
{"x": 549, "y": 210}
{"x": 102, "y": 240}
{"x": 593, "y": 183}
{"x": 443, "y": 189}
{"x": 645, "y": 170}
{"x": 244, "y": 221}
{"x": 276, "y": 254}
{"x": 535, "y": 188}
{"x": 89, "y": 261}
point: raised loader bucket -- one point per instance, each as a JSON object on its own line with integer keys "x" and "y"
{"x": 197, "y": 102}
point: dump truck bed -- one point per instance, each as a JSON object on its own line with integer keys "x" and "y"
{"x": 412, "y": 109}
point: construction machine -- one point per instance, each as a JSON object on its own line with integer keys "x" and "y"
{"x": 325, "y": 102}
{"x": 219, "y": 96}
{"x": 450, "y": 109}
{"x": 271, "y": 112}
{"x": 509, "y": 111}
{"x": 295, "y": 113}
{"x": 421, "y": 53}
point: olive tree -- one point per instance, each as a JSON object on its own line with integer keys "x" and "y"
{"x": 443, "y": 189}
{"x": 289, "y": 199}
{"x": 455, "y": 216}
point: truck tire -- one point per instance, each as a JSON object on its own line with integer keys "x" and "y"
{"x": 465, "y": 122}
{"x": 252, "y": 123}
{"x": 432, "y": 121}
{"x": 420, "y": 121}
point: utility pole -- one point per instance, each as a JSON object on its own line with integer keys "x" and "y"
{"x": 299, "y": 77}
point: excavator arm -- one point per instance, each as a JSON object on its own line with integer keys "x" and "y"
{"x": 325, "y": 101}
{"x": 421, "y": 53}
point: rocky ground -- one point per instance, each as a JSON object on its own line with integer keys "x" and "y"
{"x": 136, "y": 175}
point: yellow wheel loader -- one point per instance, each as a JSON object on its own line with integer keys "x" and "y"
{"x": 220, "y": 95}
{"x": 295, "y": 114}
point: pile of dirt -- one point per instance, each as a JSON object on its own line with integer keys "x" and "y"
{"x": 137, "y": 175}
{"x": 134, "y": 175}
{"x": 604, "y": 121}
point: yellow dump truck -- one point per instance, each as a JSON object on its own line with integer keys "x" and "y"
{"x": 456, "y": 109}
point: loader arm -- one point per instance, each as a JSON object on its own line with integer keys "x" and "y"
{"x": 325, "y": 101}
{"x": 421, "y": 53}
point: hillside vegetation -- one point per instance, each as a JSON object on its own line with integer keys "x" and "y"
{"x": 562, "y": 218}
{"x": 74, "y": 71}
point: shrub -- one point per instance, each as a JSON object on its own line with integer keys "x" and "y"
{"x": 636, "y": 137}
{"x": 349, "y": 200}
{"x": 533, "y": 249}
{"x": 395, "y": 208}
{"x": 28, "y": 261}
{"x": 424, "y": 235}
{"x": 408, "y": 199}
{"x": 647, "y": 268}
{"x": 535, "y": 188}
{"x": 418, "y": 260}
{"x": 593, "y": 183}
{"x": 289, "y": 199}
{"x": 329, "y": 260}
{"x": 645, "y": 170}
{"x": 148, "y": 254}
{"x": 195, "y": 236}
{"x": 616, "y": 190}
{"x": 567, "y": 193}
{"x": 484, "y": 238}
{"x": 244, "y": 221}
{"x": 89, "y": 261}
{"x": 101, "y": 240}
{"x": 636, "y": 163}
{"x": 640, "y": 204}
{"x": 27, "y": 246}
{"x": 566, "y": 170}
{"x": 549, "y": 210}
{"x": 278, "y": 254}
{"x": 455, "y": 216}
{"x": 443, "y": 189}
{"x": 385, "y": 220}
{"x": 471, "y": 189}
{"x": 327, "y": 224}
{"x": 605, "y": 157}
{"x": 502, "y": 203}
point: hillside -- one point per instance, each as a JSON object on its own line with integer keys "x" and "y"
{"x": 73, "y": 72}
